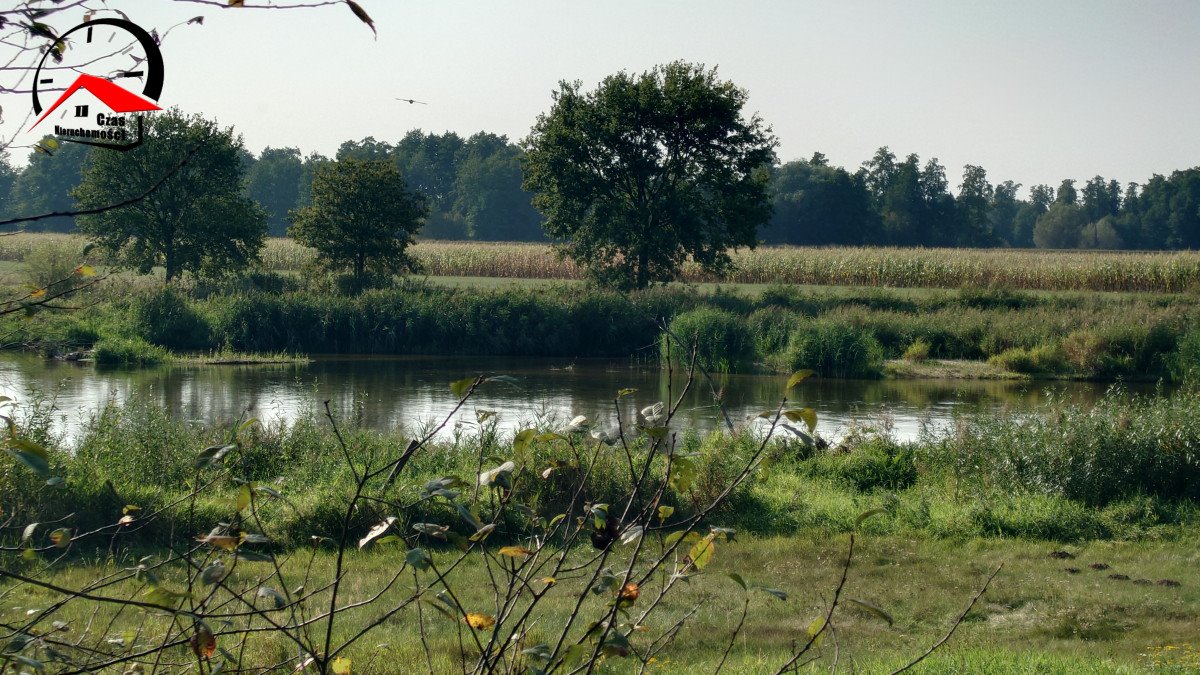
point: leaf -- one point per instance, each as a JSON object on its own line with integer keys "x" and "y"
{"x": 624, "y": 392}
{"x": 203, "y": 643}
{"x": 498, "y": 476}
{"x": 130, "y": 509}
{"x": 61, "y": 537}
{"x": 365, "y": 18}
{"x": 479, "y": 621}
{"x": 867, "y": 514}
{"x": 782, "y": 595}
{"x": 275, "y": 596}
{"x": 632, "y": 534}
{"x": 211, "y": 455}
{"x": 432, "y": 530}
{"x": 514, "y": 551}
{"x": 683, "y": 474}
{"x": 418, "y": 558}
{"x": 483, "y": 532}
{"x": 702, "y": 552}
{"x": 874, "y": 609}
{"x": 237, "y": 3}
{"x": 377, "y": 531}
{"x": 33, "y": 462}
{"x": 224, "y": 541}
{"x": 808, "y": 415}
{"x": 243, "y": 498}
{"x": 815, "y": 630}
{"x": 253, "y": 556}
{"x": 461, "y": 387}
{"x": 686, "y": 536}
{"x": 665, "y": 512}
{"x": 28, "y": 532}
{"x": 340, "y": 666}
{"x": 214, "y": 573}
{"x": 39, "y": 293}
{"x": 31, "y": 662}
{"x": 163, "y": 597}
{"x": 522, "y": 440}
{"x": 196, "y": 20}
{"x": 798, "y": 377}
{"x": 85, "y": 271}
{"x": 616, "y": 644}
{"x": 738, "y": 578}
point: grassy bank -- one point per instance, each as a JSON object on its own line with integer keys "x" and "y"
{"x": 1092, "y": 512}
{"x": 837, "y": 332}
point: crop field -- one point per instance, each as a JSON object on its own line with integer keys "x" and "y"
{"x": 1162, "y": 272}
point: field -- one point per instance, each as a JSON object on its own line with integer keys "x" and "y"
{"x": 877, "y": 267}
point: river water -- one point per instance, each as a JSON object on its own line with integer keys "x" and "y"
{"x": 410, "y": 392}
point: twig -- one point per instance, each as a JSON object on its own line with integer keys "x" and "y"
{"x": 957, "y": 623}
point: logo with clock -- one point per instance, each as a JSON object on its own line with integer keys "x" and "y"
{"x": 109, "y": 72}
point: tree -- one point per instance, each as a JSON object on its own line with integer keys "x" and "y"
{"x": 817, "y": 204}
{"x": 362, "y": 217}
{"x": 45, "y": 184}
{"x": 489, "y": 198}
{"x": 1002, "y": 212}
{"x": 274, "y": 182}
{"x": 1060, "y": 227}
{"x": 199, "y": 220}
{"x": 647, "y": 171}
{"x": 975, "y": 196}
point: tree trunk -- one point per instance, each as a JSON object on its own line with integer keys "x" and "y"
{"x": 643, "y": 276}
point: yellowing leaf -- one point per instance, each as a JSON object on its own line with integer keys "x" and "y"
{"x": 807, "y": 414}
{"x": 224, "y": 541}
{"x": 85, "y": 271}
{"x": 798, "y": 377}
{"x": 702, "y": 552}
{"x": 61, "y": 537}
{"x": 665, "y": 512}
{"x": 629, "y": 593}
{"x": 340, "y": 666}
{"x": 479, "y": 621}
{"x": 377, "y": 531}
{"x": 461, "y": 387}
{"x": 815, "y": 630}
{"x": 41, "y": 292}
{"x": 203, "y": 643}
{"x": 243, "y": 498}
{"x": 514, "y": 551}
{"x": 549, "y": 581}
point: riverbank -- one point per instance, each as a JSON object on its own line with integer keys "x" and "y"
{"x": 836, "y": 332}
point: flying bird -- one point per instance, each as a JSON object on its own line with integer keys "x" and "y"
{"x": 410, "y": 101}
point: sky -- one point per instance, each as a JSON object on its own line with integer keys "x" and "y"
{"x": 1032, "y": 91}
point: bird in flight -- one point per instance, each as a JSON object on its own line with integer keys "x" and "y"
{"x": 410, "y": 101}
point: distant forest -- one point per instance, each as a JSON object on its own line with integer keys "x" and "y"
{"x": 474, "y": 190}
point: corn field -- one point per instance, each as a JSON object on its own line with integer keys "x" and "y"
{"x": 1166, "y": 272}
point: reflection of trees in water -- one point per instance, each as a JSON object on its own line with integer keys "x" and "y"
{"x": 387, "y": 393}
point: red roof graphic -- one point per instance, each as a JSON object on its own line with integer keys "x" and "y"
{"x": 117, "y": 98}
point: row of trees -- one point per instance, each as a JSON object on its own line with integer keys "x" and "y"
{"x": 906, "y": 203}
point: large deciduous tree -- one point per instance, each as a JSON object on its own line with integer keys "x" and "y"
{"x": 362, "y": 217}
{"x": 274, "y": 182}
{"x": 649, "y": 170}
{"x": 199, "y": 220}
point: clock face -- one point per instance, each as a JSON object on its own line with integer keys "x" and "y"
{"x": 113, "y": 59}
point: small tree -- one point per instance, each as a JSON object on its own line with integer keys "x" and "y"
{"x": 199, "y": 220}
{"x": 648, "y": 171}
{"x": 362, "y": 217}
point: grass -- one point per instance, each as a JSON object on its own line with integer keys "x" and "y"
{"x": 1035, "y": 617}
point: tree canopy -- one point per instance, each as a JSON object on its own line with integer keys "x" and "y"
{"x": 650, "y": 170}
{"x": 199, "y": 220}
{"x": 362, "y": 217}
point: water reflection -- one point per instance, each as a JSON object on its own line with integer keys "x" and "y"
{"x": 409, "y": 392}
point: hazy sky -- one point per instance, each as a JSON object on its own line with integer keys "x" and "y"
{"x": 1032, "y": 91}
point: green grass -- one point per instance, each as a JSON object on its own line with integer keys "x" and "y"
{"x": 1034, "y": 618}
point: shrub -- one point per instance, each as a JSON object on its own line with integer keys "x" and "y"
{"x": 51, "y": 265}
{"x": 917, "y": 351}
{"x": 1185, "y": 362}
{"x": 835, "y": 350}
{"x": 722, "y": 340}
{"x": 877, "y": 464}
{"x": 166, "y": 318}
{"x": 1042, "y": 359}
{"x": 128, "y": 352}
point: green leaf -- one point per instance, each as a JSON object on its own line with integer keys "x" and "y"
{"x": 683, "y": 474}
{"x": 35, "y": 463}
{"x": 483, "y": 532}
{"x": 213, "y": 573}
{"x": 874, "y": 609}
{"x": 418, "y": 558}
{"x": 738, "y": 578}
{"x": 211, "y": 455}
{"x": 461, "y": 387}
{"x": 625, "y": 392}
{"x": 867, "y": 514}
{"x": 773, "y": 591}
{"x": 665, "y": 512}
{"x": 252, "y": 556}
{"x": 38, "y": 666}
{"x": 163, "y": 597}
{"x": 798, "y": 377}
{"x": 685, "y": 535}
{"x": 522, "y": 440}
{"x": 61, "y": 537}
